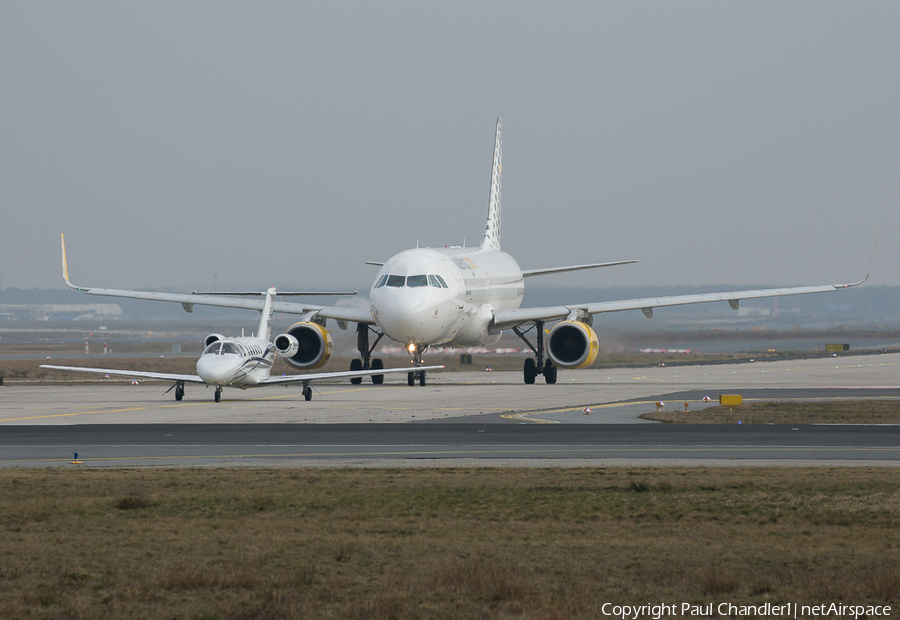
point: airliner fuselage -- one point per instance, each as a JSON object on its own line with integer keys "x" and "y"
{"x": 429, "y": 296}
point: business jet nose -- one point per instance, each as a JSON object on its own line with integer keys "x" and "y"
{"x": 217, "y": 369}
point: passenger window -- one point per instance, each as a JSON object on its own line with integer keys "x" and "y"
{"x": 417, "y": 281}
{"x": 441, "y": 280}
{"x": 396, "y": 281}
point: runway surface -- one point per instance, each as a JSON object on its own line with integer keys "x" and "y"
{"x": 446, "y": 444}
{"x": 460, "y": 418}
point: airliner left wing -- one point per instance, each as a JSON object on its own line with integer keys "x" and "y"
{"x": 505, "y": 319}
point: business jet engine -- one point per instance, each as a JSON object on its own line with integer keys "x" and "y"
{"x": 286, "y": 345}
{"x": 572, "y": 344}
{"x": 211, "y": 339}
{"x": 304, "y": 345}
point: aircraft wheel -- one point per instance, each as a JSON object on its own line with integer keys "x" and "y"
{"x": 307, "y": 393}
{"x": 356, "y": 365}
{"x": 377, "y": 364}
{"x": 550, "y": 373}
{"x": 422, "y": 378}
{"x": 218, "y": 396}
{"x": 411, "y": 379}
{"x": 530, "y": 371}
{"x": 179, "y": 392}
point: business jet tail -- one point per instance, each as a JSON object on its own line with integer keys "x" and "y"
{"x": 265, "y": 321}
{"x": 491, "y": 239}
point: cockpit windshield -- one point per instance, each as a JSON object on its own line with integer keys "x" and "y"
{"x": 229, "y": 348}
{"x": 222, "y": 348}
{"x": 415, "y": 281}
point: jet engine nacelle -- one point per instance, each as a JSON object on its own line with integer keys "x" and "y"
{"x": 572, "y": 344}
{"x": 313, "y": 345}
{"x": 211, "y": 339}
{"x": 286, "y": 345}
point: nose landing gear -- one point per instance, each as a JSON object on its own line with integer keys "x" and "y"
{"x": 415, "y": 375}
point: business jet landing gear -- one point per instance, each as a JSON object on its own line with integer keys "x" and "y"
{"x": 218, "y": 395}
{"x": 536, "y": 366}
{"x": 415, "y": 375}
{"x": 179, "y": 390}
{"x": 365, "y": 351}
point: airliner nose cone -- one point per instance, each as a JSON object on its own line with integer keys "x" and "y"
{"x": 408, "y": 318}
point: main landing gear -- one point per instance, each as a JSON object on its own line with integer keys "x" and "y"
{"x": 415, "y": 375}
{"x": 366, "y": 363}
{"x": 307, "y": 392}
{"x": 218, "y": 395}
{"x": 537, "y": 366}
{"x": 179, "y": 390}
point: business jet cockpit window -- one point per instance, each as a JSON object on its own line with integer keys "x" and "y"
{"x": 229, "y": 348}
{"x": 222, "y": 348}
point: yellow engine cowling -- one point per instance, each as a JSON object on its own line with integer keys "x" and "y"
{"x": 313, "y": 345}
{"x": 572, "y": 344}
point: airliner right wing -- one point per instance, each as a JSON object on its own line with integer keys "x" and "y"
{"x": 188, "y": 301}
{"x": 506, "y": 319}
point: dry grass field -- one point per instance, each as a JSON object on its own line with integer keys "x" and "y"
{"x": 200, "y": 544}
{"x": 882, "y": 411}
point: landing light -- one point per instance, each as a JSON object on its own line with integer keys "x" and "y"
{"x": 411, "y": 347}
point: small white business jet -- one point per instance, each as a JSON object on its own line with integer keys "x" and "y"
{"x": 465, "y": 297}
{"x": 244, "y": 362}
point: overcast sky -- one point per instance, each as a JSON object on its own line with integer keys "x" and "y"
{"x": 286, "y": 143}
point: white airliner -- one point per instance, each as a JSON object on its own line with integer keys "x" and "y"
{"x": 460, "y": 296}
{"x": 243, "y": 362}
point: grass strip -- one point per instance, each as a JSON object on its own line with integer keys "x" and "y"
{"x": 440, "y": 543}
{"x": 880, "y": 411}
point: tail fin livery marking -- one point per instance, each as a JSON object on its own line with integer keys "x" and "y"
{"x": 491, "y": 239}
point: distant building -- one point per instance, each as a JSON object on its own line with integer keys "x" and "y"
{"x": 60, "y": 312}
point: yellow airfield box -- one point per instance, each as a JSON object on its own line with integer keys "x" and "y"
{"x": 731, "y": 400}
{"x": 837, "y": 347}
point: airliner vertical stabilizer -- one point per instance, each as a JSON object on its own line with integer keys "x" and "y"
{"x": 491, "y": 239}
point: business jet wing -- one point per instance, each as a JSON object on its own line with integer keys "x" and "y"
{"x": 188, "y": 301}
{"x": 317, "y": 376}
{"x": 135, "y": 374}
{"x": 506, "y": 319}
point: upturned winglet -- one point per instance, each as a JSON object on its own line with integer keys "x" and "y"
{"x": 868, "y": 269}
{"x": 65, "y": 266}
